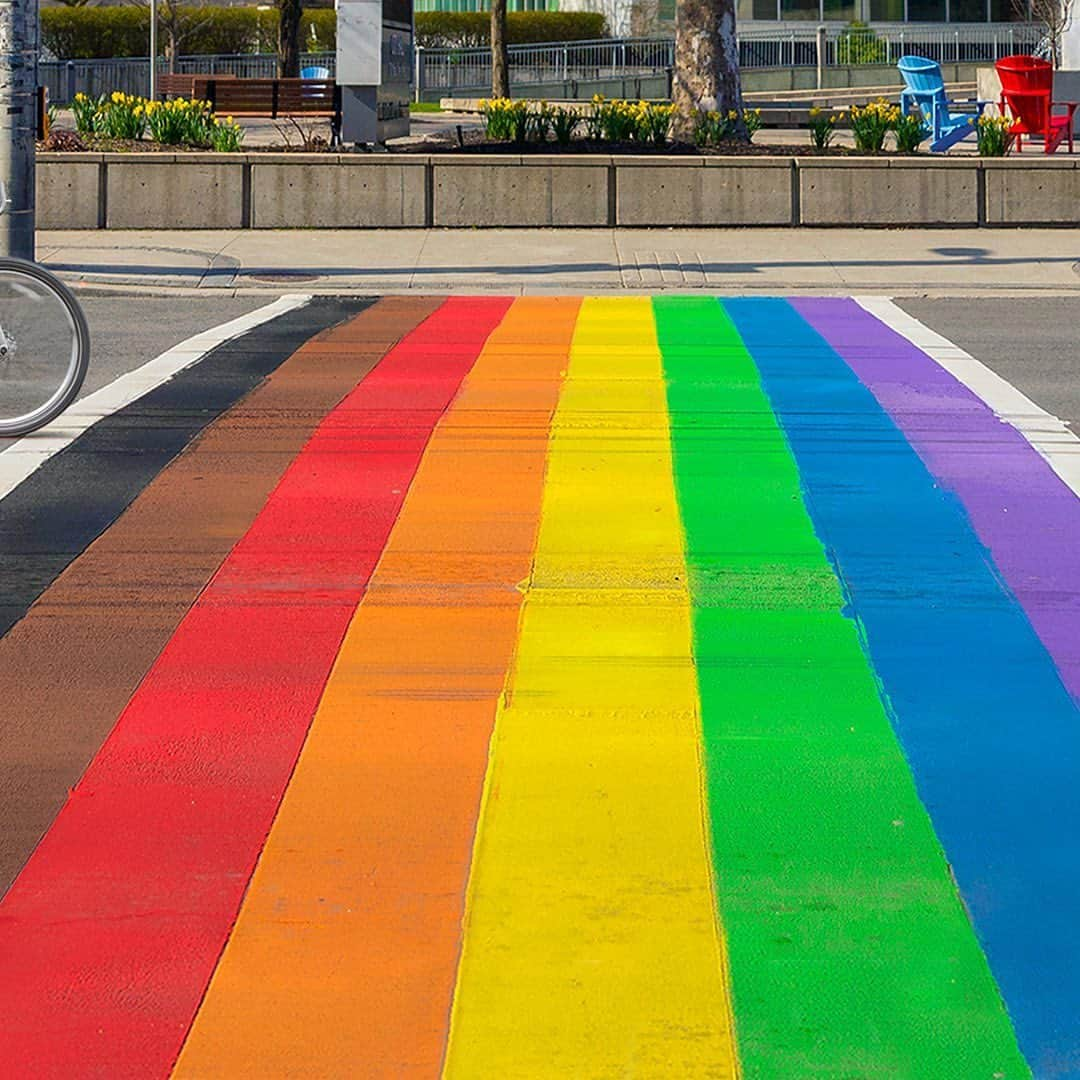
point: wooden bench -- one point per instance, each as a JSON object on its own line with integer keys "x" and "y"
{"x": 275, "y": 98}
{"x": 272, "y": 98}
{"x": 186, "y": 86}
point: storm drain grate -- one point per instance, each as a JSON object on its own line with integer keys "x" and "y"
{"x": 284, "y": 277}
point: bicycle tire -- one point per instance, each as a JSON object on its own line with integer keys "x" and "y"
{"x": 68, "y": 389}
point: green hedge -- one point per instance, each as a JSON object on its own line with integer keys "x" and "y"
{"x": 91, "y": 32}
{"x": 461, "y": 29}
{"x": 78, "y": 33}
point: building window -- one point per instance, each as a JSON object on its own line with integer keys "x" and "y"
{"x": 1010, "y": 11}
{"x": 968, "y": 10}
{"x": 795, "y": 10}
{"x": 886, "y": 10}
{"x": 839, "y": 10}
{"x": 926, "y": 10}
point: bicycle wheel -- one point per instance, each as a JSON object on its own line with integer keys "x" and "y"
{"x": 44, "y": 347}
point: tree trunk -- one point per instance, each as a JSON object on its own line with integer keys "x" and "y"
{"x": 289, "y": 12}
{"x": 500, "y": 59}
{"x": 706, "y": 64}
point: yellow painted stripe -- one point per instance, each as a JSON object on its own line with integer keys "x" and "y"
{"x": 343, "y": 959}
{"x": 591, "y": 942}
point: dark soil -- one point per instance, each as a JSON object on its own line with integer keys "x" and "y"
{"x": 476, "y": 142}
{"x": 62, "y": 139}
{"x": 469, "y": 142}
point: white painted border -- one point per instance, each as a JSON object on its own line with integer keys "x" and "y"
{"x": 1051, "y": 437}
{"x": 23, "y": 456}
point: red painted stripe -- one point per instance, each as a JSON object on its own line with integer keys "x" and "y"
{"x": 110, "y": 934}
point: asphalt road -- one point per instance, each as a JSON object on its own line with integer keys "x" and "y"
{"x": 1029, "y": 341}
{"x": 243, "y": 679}
{"x": 1032, "y": 342}
{"x": 125, "y": 332}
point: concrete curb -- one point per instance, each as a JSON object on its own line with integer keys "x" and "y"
{"x": 375, "y": 287}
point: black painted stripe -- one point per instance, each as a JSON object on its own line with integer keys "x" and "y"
{"x": 53, "y": 515}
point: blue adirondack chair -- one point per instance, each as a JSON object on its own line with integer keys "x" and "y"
{"x": 315, "y": 73}
{"x": 925, "y": 88}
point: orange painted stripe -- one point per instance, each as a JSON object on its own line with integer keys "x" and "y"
{"x": 344, "y": 957}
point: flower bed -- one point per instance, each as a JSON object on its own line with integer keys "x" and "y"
{"x": 123, "y": 123}
{"x": 125, "y": 118}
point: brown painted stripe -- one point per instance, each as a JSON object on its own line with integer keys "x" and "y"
{"x": 68, "y": 668}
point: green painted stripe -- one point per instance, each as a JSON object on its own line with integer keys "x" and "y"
{"x": 850, "y": 952}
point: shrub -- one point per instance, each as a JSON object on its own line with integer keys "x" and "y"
{"x": 472, "y": 29}
{"x": 318, "y": 30}
{"x": 859, "y": 44}
{"x": 88, "y": 32}
{"x": 226, "y": 30}
{"x": 871, "y": 123}
{"x": 96, "y": 32}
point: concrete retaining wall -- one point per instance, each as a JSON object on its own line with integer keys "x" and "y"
{"x": 703, "y": 191}
{"x": 233, "y": 191}
{"x": 897, "y": 191}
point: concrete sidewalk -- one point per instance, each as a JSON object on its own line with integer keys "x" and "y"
{"x": 822, "y": 261}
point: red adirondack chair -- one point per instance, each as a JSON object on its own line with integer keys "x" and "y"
{"x": 1027, "y": 88}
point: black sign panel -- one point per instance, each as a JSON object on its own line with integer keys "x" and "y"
{"x": 398, "y": 11}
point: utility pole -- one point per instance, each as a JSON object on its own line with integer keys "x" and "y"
{"x": 18, "y": 124}
{"x": 153, "y": 50}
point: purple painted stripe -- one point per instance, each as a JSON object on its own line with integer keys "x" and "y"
{"x": 1020, "y": 508}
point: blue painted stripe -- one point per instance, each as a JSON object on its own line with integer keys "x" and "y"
{"x": 990, "y": 733}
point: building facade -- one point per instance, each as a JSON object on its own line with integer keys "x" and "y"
{"x": 650, "y": 16}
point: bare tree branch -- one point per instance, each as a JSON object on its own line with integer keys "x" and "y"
{"x": 1056, "y": 14}
{"x": 178, "y": 21}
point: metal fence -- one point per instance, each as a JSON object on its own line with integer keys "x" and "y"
{"x": 571, "y": 61}
{"x": 131, "y": 75}
{"x": 450, "y": 70}
{"x": 842, "y": 47}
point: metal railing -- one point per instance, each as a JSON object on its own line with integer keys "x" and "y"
{"x": 804, "y": 46}
{"x": 131, "y": 75}
{"x": 450, "y": 70}
{"x": 570, "y": 61}
{"x": 843, "y": 47}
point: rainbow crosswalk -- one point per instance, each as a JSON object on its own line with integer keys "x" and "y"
{"x": 664, "y": 687}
